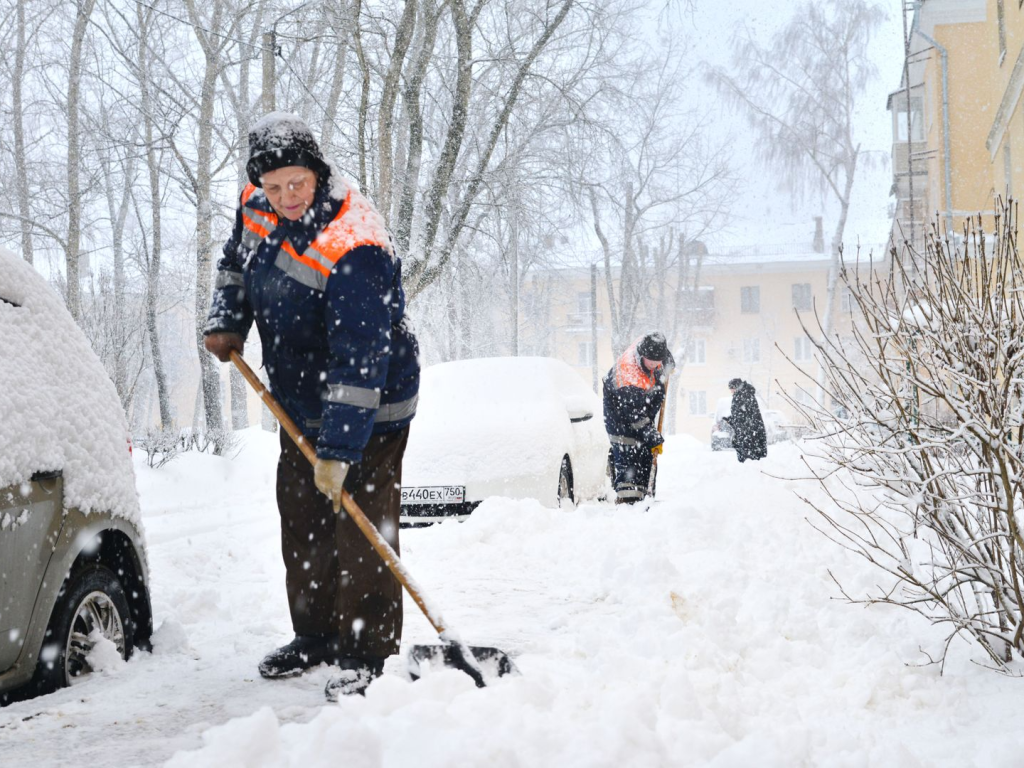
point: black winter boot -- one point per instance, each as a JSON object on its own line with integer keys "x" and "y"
{"x": 356, "y": 676}
{"x": 302, "y": 653}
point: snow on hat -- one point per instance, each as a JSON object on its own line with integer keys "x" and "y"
{"x": 653, "y": 346}
{"x": 281, "y": 139}
{"x": 735, "y": 383}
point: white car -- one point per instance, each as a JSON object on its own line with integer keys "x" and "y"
{"x": 519, "y": 427}
{"x": 72, "y": 554}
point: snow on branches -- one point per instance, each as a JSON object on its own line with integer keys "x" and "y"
{"x": 919, "y": 447}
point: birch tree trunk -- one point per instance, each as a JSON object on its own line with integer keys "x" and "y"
{"x": 18, "y": 121}
{"x": 210, "y": 380}
{"x": 156, "y": 226}
{"x": 74, "y": 158}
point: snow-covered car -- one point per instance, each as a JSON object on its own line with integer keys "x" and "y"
{"x": 721, "y": 430}
{"x": 73, "y": 574}
{"x": 519, "y": 427}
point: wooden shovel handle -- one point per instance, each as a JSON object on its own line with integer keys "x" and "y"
{"x": 661, "y": 421}
{"x": 379, "y": 543}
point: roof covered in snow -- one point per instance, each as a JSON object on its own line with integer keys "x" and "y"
{"x": 58, "y": 408}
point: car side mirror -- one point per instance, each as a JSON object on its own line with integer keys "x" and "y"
{"x": 578, "y": 409}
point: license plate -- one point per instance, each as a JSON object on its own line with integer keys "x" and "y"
{"x": 434, "y": 494}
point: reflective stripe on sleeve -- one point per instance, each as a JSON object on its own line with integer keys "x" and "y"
{"x": 397, "y": 411}
{"x": 226, "y": 278}
{"x": 360, "y": 397}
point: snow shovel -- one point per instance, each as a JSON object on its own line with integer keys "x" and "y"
{"x": 453, "y": 653}
{"x": 653, "y": 480}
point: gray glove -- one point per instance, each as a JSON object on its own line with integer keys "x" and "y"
{"x": 329, "y": 476}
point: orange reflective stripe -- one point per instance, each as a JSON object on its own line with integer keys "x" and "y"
{"x": 250, "y": 188}
{"x": 252, "y": 225}
{"x": 302, "y": 258}
{"x": 270, "y": 217}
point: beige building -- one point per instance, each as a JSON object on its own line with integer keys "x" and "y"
{"x": 746, "y": 321}
{"x": 966, "y": 121}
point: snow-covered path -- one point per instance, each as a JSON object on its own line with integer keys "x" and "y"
{"x": 700, "y": 631}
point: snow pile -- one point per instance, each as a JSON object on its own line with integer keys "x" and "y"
{"x": 58, "y": 408}
{"x": 698, "y": 632}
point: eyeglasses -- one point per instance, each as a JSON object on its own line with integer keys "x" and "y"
{"x": 295, "y": 185}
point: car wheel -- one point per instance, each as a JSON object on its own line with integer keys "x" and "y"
{"x": 565, "y": 490}
{"x": 91, "y": 601}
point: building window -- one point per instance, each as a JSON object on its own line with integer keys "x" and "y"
{"x": 1001, "y": 20}
{"x": 802, "y": 296}
{"x": 698, "y": 403}
{"x": 750, "y": 299}
{"x": 698, "y": 306}
{"x": 846, "y": 301}
{"x": 696, "y": 352}
{"x": 916, "y": 119}
{"x": 803, "y": 349}
{"x": 751, "y": 350}
{"x": 585, "y": 352}
{"x": 584, "y": 305}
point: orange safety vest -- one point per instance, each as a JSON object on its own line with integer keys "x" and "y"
{"x": 629, "y": 371}
{"x": 357, "y": 223}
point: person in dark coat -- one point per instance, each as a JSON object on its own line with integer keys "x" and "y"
{"x": 310, "y": 261}
{"x": 748, "y": 435}
{"x": 634, "y": 390}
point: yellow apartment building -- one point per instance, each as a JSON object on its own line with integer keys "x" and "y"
{"x": 965, "y": 135}
{"x": 746, "y": 323}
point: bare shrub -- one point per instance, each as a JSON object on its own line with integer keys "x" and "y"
{"x": 923, "y": 464}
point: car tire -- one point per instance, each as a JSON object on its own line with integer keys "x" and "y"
{"x": 90, "y": 598}
{"x": 565, "y": 489}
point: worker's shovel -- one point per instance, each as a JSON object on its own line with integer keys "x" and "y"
{"x": 652, "y": 481}
{"x": 475, "y": 661}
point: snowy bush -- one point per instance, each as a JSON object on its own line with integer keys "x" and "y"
{"x": 162, "y": 446}
{"x": 924, "y": 465}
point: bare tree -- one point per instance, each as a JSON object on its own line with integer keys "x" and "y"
{"x": 799, "y": 93}
{"x": 213, "y": 43}
{"x": 18, "y": 124}
{"x": 923, "y": 470}
{"x": 83, "y": 10}
{"x": 667, "y": 186}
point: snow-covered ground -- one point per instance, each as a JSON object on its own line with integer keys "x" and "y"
{"x": 699, "y": 631}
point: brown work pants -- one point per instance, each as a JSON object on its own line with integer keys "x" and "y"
{"x": 336, "y": 581}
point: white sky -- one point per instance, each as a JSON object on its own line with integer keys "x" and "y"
{"x": 767, "y": 215}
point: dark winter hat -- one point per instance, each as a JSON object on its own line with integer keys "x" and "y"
{"x": 281, "y": 139}
{"x": 653, "y": 346}
{"x": 735, "y": 383}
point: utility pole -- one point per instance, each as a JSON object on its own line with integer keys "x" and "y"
{"x": 593, "y": 320}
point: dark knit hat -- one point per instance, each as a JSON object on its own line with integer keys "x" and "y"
{"x": 281, "y": 139}
{"x": 653, "y": 346}
{"x": 735, "y": 383}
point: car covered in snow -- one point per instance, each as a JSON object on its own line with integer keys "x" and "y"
{"x": 73, "y": 574}
{"x": 721, "y": 432}
{"x": 518, "y": 427}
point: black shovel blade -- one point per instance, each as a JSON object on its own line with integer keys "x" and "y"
{"x": 491, "y": 661}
